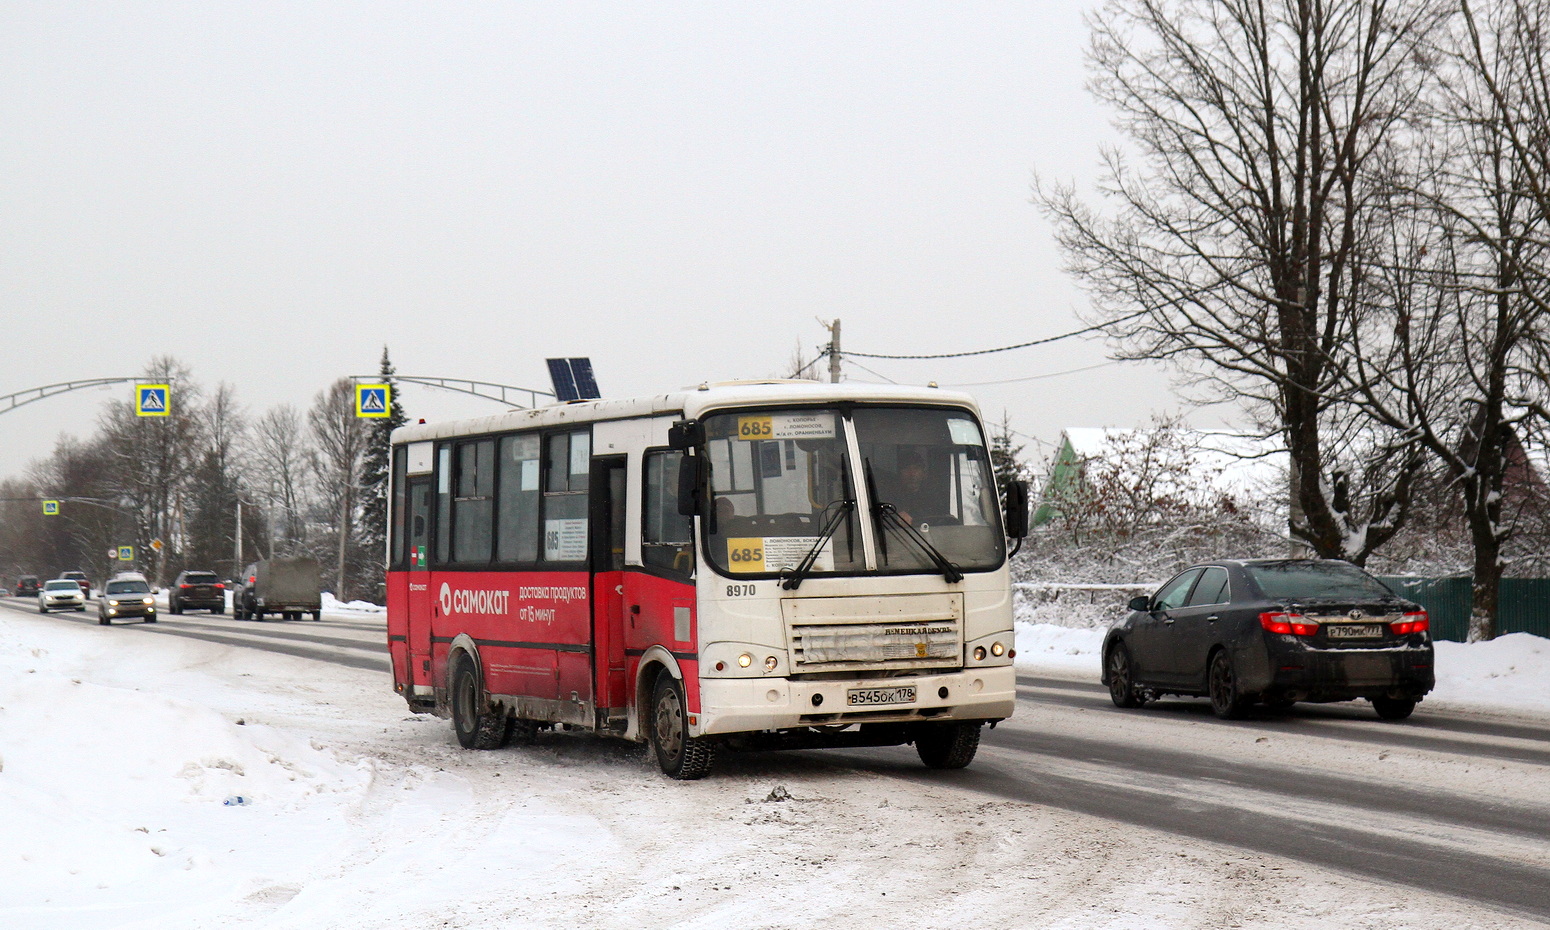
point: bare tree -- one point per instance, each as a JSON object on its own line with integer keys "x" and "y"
{"x": 278, "y": 463}
{"x": 1454, "y": 355}
{"x": 1231, "y": 246}
{"x": 342, "y": 439}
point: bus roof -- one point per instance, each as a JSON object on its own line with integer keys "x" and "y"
{"x": 690, "y": 402}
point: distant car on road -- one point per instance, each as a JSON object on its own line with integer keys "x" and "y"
{"x": 60, "y": 594}
{"x": 125, "y": 597}
{"x": 288, "y": 587}
{"x": 1276, "y": 631}
{"x": 199, "y": 591}
{"x": 80, "y": 579}
{"x": 28, "y": 586}
{"x": 5, "y": 592}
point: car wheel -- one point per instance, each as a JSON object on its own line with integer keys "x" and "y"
{"x": 80, "y": 610}
{"x": 1226, "y": 702}
{"x": 42, "y": 609}
{"x": 104, "y": 621}
{"x": 317, "y": 616}
{"x": 1122, "y": 686}
{"x": 150, "y": 618}
{"x": 218, "y": 611}
{"x": 947, "y": 745}
{"x": 175, "y": 607}
{"x": 1393, "y": 708}
{"x": 680, "y": 755}
{"x": 477, "y": 725}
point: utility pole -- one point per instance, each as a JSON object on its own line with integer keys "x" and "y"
{"x": 834, "y": 350}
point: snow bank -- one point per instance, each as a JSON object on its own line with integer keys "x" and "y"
{"x": 333, "y": 603}
{"x": 1511, "y": 671}
{"x": 121, "y": 804}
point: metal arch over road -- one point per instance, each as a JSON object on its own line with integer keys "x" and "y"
{"x": 486, "y": 389}
{"x": 10, "y": 402}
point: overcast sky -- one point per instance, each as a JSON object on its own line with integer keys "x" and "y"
{"x": 271, "y": 192}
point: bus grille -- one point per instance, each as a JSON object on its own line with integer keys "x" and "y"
{"x": 875, "y": 633}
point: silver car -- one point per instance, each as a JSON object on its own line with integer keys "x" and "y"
{"x": 60, "y": 594}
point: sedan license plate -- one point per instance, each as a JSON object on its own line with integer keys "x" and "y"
{"x": 1354, "y": 631}
{"x": 867, "y": 697}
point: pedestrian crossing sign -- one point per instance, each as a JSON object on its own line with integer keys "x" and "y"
{"x": 373, "y": 400}
{"x": 126, "y": 553}
{"x": 51, "y": 508}
{"x": 152, "y": 400}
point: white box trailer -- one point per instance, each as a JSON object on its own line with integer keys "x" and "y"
{"x": 288, "y": 587}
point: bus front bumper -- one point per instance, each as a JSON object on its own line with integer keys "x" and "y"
{"x": 746, "y": 705}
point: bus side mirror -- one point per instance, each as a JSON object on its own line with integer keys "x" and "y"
{"x": 689, "y": 485}
{"x": 685, "y": 435}
{"x": 1016, "y": 509}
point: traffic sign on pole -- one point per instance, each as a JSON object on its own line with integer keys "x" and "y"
{"x": 373, "y": 400}
{"x": 126, "y": 553}
{"x": 153, "y": 400}
{"x": 51, "y": 508}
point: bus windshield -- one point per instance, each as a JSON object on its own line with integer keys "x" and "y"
{"x": 781, "y": 480}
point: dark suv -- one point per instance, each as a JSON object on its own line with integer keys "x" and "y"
{"x": 197, "y": 591}
{"x": 27, "y": 586}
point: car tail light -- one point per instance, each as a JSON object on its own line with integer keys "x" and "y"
{"x": 1414, "y": 622}
{"x": 185, "y": 587}
{"x": 220, "y": 586}
{"x": 1283, "y": 622}
{"x": 253, "y": 579}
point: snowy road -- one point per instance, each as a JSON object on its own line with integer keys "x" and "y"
{"x": 1076, "y": 814}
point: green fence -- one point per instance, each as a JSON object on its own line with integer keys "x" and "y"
{"x": 1524, "y": 604}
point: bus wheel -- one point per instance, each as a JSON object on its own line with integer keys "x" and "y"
{"x": 477, "y": 725}
{"x": 947, "y": 745}
{"x": 680, "y": 755}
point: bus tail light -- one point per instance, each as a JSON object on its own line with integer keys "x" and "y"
{"x": 1287, "y": 623}
{"x": 1414, "y": 622}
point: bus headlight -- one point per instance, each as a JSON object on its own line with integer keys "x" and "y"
{"x": 770, "y": 662}
{"x": 997, "y": 650}
{"x": 744, "y": 660}
{"x": 979, "y": 653}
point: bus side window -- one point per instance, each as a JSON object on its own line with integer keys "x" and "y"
{"x": 443, "y": 504}
{"x": 517, "y": 533}
{"x": 398, "y": 545}
{"x": 667, "y": 538}
{"x": 473, "y": 504}
{"x": 567, "y": 463}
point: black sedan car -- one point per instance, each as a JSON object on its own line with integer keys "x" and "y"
{"x": 1276, "y": 631}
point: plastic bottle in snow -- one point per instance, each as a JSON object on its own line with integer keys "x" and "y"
{"x": 235, "y": 800}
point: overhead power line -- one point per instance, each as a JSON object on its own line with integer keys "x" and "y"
{"x": 1020, "y": 345}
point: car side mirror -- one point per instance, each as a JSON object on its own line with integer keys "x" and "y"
{"x": 1016, "y": 509}
{"x": 1141, "y": 603}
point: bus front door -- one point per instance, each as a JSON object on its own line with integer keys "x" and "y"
{"x": 420, "y": 596}
{"x": 608, "y": 582}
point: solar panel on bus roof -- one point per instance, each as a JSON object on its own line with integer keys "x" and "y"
{"x": 573, "y": 379}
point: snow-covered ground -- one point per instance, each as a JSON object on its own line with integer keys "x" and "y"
{"x": 156, "y": 781}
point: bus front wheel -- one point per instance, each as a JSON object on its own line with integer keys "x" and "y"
{"x": 680, "y": 755}
{"x": 478, "y": 725}
{"x": 947, "y": 745}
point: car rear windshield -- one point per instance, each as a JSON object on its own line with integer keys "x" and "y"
{"x": 1292, "y": 580}
{"x": 128, "y": 587}
{"x": 62, "y": 586}
{"x": 199, "y": 578}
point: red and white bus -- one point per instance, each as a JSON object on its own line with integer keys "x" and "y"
{"x": 747, "y": 565}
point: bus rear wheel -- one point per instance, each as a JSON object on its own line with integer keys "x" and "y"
{"x": 478, "y": 725}
{"x": 680, "y": 755}
{"x": 948, "y": 745}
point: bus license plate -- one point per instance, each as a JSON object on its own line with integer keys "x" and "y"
{"x": 867, "y": 697}
{"x": 1353, "y": 631}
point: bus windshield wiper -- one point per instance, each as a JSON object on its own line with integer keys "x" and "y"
{"x": 886, "y": 512}
{"x": 799, "y": 574}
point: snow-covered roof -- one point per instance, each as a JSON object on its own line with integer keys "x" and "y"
{"x": 690, "y": 402}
